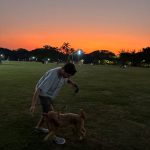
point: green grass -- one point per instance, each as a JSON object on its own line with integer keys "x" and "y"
{"x": 116, "y": 102}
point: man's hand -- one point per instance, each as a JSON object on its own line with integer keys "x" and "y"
{"x": 32, "y": 109}
{"x": 74, "y": 85}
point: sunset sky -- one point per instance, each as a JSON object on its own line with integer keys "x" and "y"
{"x": 86, "y": 24}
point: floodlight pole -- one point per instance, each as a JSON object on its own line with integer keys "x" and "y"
{"x": 78, "y": 53}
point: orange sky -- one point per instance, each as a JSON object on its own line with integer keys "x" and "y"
{"x": 83, "y": 41}
{"x": 113, "y": 25}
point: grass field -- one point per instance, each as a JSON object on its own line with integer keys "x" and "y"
{"x": 116, "y": 102}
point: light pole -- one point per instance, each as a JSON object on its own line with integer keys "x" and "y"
{"x": 78, "y": 53}
{"x": 72, "y": 57}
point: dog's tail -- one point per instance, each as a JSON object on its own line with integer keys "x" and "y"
{"x": 82, "y": 114}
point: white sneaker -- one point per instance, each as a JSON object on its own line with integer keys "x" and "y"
{"x": 43, "y": 130}
{"x": 59, "y": 140}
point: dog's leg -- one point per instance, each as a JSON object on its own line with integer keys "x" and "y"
{"x": 52, "y": 130}
{"x": 79, "y": 131}
{"x": 82, "y": 130}
{"x": 48, "y": 135}
{"x": 82, "y": 133}
{"x": 48, "y": 125}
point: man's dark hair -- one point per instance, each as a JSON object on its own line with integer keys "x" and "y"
{"x": 70, "y": 68}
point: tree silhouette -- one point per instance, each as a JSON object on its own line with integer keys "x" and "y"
{"x": 66, "y": 53}
{"x": 124, "y": 57}
{"x": 22, "y": 54}
{"x": 66, "y": 50}
{"x": 102, "y": 55}
{"x": 146, "y": 55}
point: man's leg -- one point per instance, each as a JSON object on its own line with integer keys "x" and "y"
{"x": 41, "y": 122}
{"x": 46, "y": 106}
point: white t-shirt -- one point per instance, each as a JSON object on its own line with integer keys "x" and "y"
{"x": 50, "y": 83}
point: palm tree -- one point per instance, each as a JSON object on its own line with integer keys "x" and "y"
{"x": 66, "y": 49}
{"x": 46, "y": 47}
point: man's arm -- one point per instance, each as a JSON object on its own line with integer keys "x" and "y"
{"x": 34, "y": 100}
{"x": 74, "y": 85}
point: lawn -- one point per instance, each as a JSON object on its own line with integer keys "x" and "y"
{"x": 116, "y": 102}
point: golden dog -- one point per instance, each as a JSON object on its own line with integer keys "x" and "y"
{"x": 55, "y": 120}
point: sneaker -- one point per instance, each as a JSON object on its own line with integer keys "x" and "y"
{"x": 59, "y": 140}
{"x": 43, "y": 130}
